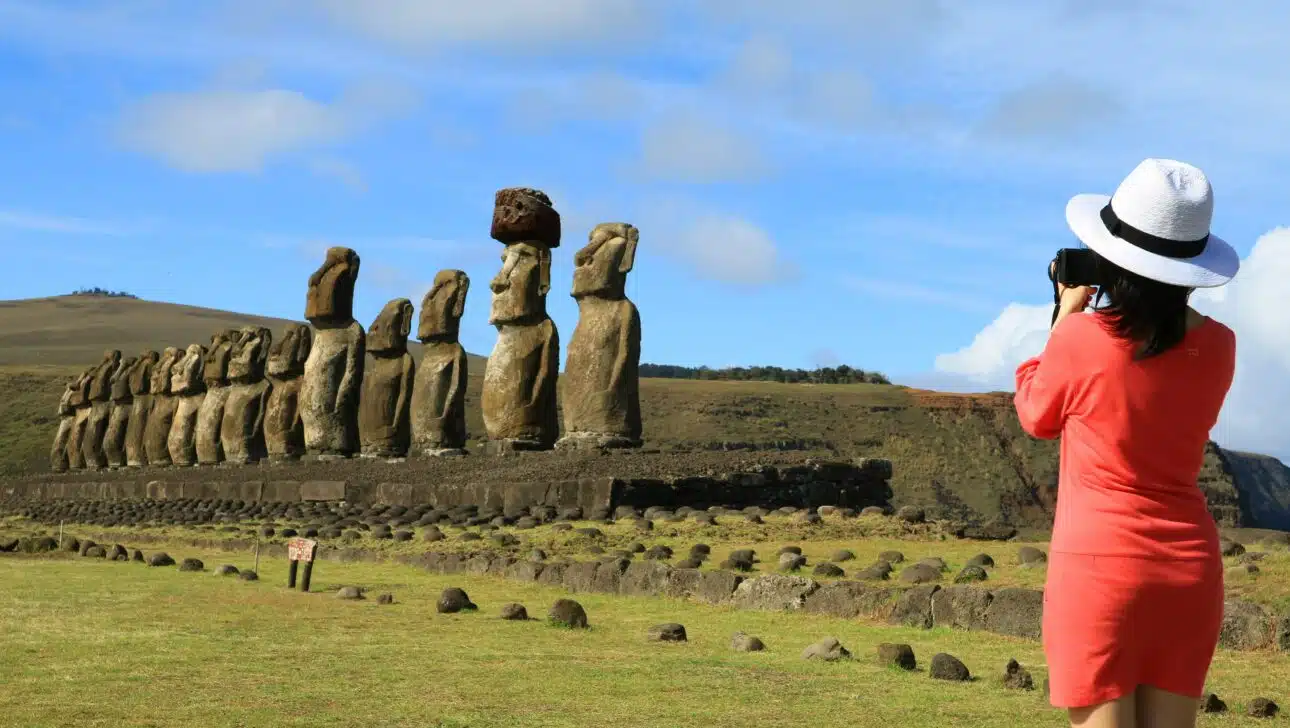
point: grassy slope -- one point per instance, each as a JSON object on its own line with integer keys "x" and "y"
{"x": 93, "y": 643}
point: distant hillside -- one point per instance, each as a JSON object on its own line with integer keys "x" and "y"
{"x": 960, "y": 456}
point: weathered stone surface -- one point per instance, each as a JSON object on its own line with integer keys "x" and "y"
{"x": 284, "y": 431}
{"x": 1016, "y": 677}
{"x": 645, "y": 579}
{"x": 522, "y": 214}
{"x": 670, "y": 632}
{"x": 210, "y": 451}
{"x": 66, "y": 422}
{"x": 438, "y": 413}
{"x": 80, "y": 404}
{"x": 242, "y": 429}
{"x": 384, "y": 426}
{"x": 914, "y": 607}
{"x": 601, "y": 386}
{"x": 828, "y": 649}
{"x": 851, "y": 599}
{"x": 712, "y": 587}
{"x": 568, "y": 613}
{"x": 100, "y": 400}
{"x": 1246, "y": 626}
{"x": 960, "y": 607}
{"x": 161, "y": 413}
{"x": 189, "y": 390}
{"x": 897, "y": 655}
{"x": 122, "y": 401}
{"x": 514, "y": 612}
{"x": 333, "y": 377}
{"x": 1016, "y": 612}
{"x": 136, "y": 454}
{"x": 1262, "y": 708}
{"x": 742, "y": 642}
{"x": 774, "y": 592}
{"x": 453, "y": 600}
{"x": 948, "y": 667}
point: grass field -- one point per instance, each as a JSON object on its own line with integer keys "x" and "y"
{"x": 93, "y": 643}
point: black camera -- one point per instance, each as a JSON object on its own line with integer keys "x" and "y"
{"x": 1076, "y": 267}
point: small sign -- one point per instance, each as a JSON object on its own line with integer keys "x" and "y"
{"x": 301, "y": 549}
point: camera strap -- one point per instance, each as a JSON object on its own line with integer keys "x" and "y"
{"x": 1057, "y": 299}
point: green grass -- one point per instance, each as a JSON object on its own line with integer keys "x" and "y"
{"x": 92, "y": 643}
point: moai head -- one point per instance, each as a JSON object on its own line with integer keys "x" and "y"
{"x": 121, "y": 379}
{"x": 523, "y": 215}
{"x": 186, "y": 374}
{"x": 287, "y": 354}
{"x": 603, "y": 264}
{"x": 162, "y": 370}
{"x": 141, "y": 372}
{"x": 250, "y": 351}
{"x": 66, "y": 403}
{"x": 443, "y": 305}
{"x": 331, "y": 288}
{"x": 388, "y": 334}
{"x": 81, "y": 397}
{"x": 520, "y": 288}
{"x": 215, "y": 364}
{"x": 101, "y": 385}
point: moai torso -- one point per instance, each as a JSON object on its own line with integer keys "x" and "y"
{"x": 438, "y": 410}
{"x": 100, "y": 396}
{"x": 66, "y": 421}
{"x": 161, "y": 415}
{"x": 210, "y": 417}
{"x": 284, "y": 434}
{"x": 189, "y": 390}
{"x": 141, "y": 404}
{"x": 80, "y": 402}
{"x": 119, "y": 421}
{"x": 383, "y": 424}
{"x": 519, "y": 396}
{"x": 242, "y": 431}
{"x": 601, "y": 392}
{"x": 333, "y": 376}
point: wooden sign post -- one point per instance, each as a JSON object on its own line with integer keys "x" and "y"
{"x": 298, "y": 550}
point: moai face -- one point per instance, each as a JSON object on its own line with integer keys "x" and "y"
{"x": 162, "y": 370}
{"x": 186, "y": 374}
{"x": 331, "y": 288}
{"x": 141, "y": 373}
{"x": 215, "y": 364}
{"x": 520, "y": 288}
{"x": 249, "y": 353}
{"x": 287, "y": 355}
{"x": 121, "y": 379}
{"x": 70, "y": 391}
{"x": 388, "y": 334}
{"x": 442, "y": 307}
{"x": 603, "y": 264}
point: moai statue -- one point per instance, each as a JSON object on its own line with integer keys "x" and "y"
{"x": 119, "y": 421}
{"x": 80, "y": 402}
{"x": 284, "y": 433}
{"x": 211, "y": 415}
{"x": 100, "y": 396}
{"x": 601, "y": 393}
{"x": 519, "y": 397}
{"x": 189, "y": 390}
{"x": 439, "y": 395}
{"x": 136, "y": 455}
{"x": 334, "y": 371}
{"x": 66, "y": 422}
{"x": 383, "y": 426}
{"x": 242, "y": 431}
{"x": 161, "y": 413}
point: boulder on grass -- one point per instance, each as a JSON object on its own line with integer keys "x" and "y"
{"x": 670, "y": 632}
{"x": 454, "y": 600}
{"x": 828, "y": 649}
{"x": 568, "y": 613}
{"x": 160, "y": 559}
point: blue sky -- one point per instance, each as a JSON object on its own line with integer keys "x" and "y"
{"x": 875, "y": 182}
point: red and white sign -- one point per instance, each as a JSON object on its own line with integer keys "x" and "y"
{"x": 301, "y": 549}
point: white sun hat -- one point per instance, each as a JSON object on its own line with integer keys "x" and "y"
{"x": 1157, "y": 225}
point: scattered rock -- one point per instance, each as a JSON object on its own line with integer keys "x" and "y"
{"x": 891, "y": 557}
{"x": 742, "y": 642}
{"x": 1230, "y": 547}
{"x": 226, "y": 570}
{"x": 873, "y": 511}
{"x": 920, "y": 574}
{"x": 568, "y": 613}
{"x": 878, "y": 571}
{"x": 791, "y": 561}
{"x": 1213, "y": 704}
{"x": 349, "y": 592}
{"x": 537, "y": 555}
{"x": 985, "y": 561}
{"x": 192, "y": 565}
{"x": 658, "y": 553}
{"x": 453, "y": 600}
{"x": 670, "y": 632}
{"x": 1031, "y": 555}
{"x": 95, "y": 552}
{"x": 433, "y": 535}
{"x": 790, "y": 550}
{"x": 897, "y": 655}
{"x": 992, "y": 531}
{"x": 701, "y": 549}
{"x": 160, "y": 559}
{"x": 1017, "y": 677}
{"x": 828, "y": 649}
{"x": 935, "y": 562}
{"x": 1262, "y": 708}
{"x": 736, "y": 563}
{"x": 971, "y": 574}
{"x": 842, "y": 555}
{"x": 911, "y": 514}
{"x": 690, "y": 563}
{"x": 386, "y": 598}
{"x": 829, "y": 570}
{"x": 248, "y": 575}
{"x": 948, "y": 667}
{"x": 514, "y": 612}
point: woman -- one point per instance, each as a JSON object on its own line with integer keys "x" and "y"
{"x": 1134, "y": 598}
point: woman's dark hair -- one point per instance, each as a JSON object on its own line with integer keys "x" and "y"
{"x": 1141, "y": 309}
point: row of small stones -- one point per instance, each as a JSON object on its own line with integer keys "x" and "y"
{"x": 570, "y": 614}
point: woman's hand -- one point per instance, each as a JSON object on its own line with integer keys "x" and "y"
{"x": 1073, "y": 299}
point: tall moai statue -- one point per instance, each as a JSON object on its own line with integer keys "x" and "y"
{"x": 189, "y": 390}
{"x": 242, "y": 431}
{"x": 284, "y": 432}
{"x": 333, "y": 376}
{"x": 100, "y": 396}
{"x": 136, "y": 455}
{"x": 439, "y": 395}
{"x": 384, "y": 428}
{"x": 119, "y": 420}
{"x": 519, "y": 397}
{"x": 601, "y": 394}
{"x": 66, "y": 423}
{"x": 161, "y": 412}
{"x": 80, "y": 402}
{"x": 211, "y": 415}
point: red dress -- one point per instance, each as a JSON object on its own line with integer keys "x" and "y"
{"x": 1134, "y": 594}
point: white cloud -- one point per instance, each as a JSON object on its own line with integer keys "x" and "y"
{"x": 1256, "y": 305}
{"x": 727, "y": 249}
{"x": 689, "y": 148}
{"x": 339, "y": 169}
